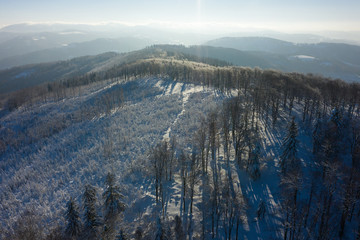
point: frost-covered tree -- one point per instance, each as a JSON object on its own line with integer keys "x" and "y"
{"x": 336, "y": 117}
{"x": 261, "y": 210}
{"x": 73, "y": 225}
{"x": 27, "y": 227}
{"x": 291, "y": 182}
{"x": 355, "y": 146}
{"x": 317, "y": 135}
{"x": 113, "y": 204}
{"x": 213, "y": 137}
{"x": 225, "y": 119}
{"x": 138, "y": 233}
{"x": 160, "y": 158}
{"x": 200, "y": 142}
{"x": 121, "y": 235}
{"x": 275, "y": 110}
{"x": 91, "y": 218}
{"x": 179, "y": 231}
{"x": 334, "y": 134}
{"x": 288, "y": 158}
{"x": 228, "y": 209}
{"x": 183, "y": 160}
{"x": 112, "y": 197}
{"x": 160, "y": 231}
{"x": 290, "y": 186}
{"x": 254, "y": 162}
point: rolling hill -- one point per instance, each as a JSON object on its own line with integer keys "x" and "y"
{"x": 233, "y": 152}
{"x": 18, "y": 78}
{"x": 73, "y": 50}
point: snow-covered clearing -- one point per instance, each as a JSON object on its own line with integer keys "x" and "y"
{"x": 182, "y": 89}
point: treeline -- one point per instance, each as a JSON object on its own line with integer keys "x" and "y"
{"x": 268, "y": 86}
{"x": 315, "y": 91}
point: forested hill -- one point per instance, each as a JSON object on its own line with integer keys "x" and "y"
{"x": 35, "y": 74}
{"x": 163, "y": 144}
{"x": 174, "y": 63}
{"x": 31, "y": 75}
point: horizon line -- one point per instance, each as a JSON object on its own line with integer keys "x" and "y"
{"x": 200, "y": 26}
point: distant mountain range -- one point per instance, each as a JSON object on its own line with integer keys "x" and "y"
{"x": 72, "y": 50}
{"x": 334, "y": 60}
{"x": 24, "y": 44}
{"x": 327, "y": 59}
{"x": 34, "y": 74}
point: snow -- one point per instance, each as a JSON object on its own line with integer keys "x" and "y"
{"x": 304, "y": 58}
{"x": 71, "y": 33}
{"x": 37, "y": 39}
{"x": 184, "y": 91}
{"x": 24, "y": 74}
{"x": 47, "y": 171}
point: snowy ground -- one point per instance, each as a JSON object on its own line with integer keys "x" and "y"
{"x": 43, "y": 174}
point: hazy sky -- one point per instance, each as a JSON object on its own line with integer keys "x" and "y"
{"x": 287, "y": 15}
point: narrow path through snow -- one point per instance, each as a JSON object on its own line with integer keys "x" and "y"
{"x": 184, "y": 90}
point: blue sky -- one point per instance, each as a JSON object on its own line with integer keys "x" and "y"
{"x": 290, "y": 15}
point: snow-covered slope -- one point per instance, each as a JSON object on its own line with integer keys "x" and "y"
{"x": 57, "y": 145}
{"x": 59, "y": 152}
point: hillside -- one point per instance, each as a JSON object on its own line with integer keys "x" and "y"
{"x": 334, "y": 60}
{"x": 69, "y": 137}
{"x": 234, "y": 152}
{"x": 67, "y": 51}
{"x": 231, "y": 56}
{"x": 18, "y": 78}
{"x": 31, "y": 75}
{"x": 35, "y": 74}
{"x": 255, "y": 44}
{"x": 22, "y": 44}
